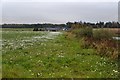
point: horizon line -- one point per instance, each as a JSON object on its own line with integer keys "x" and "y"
{"x": 60, "y": 23}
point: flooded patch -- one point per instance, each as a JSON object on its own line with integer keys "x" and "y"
{"x": 26, "y": 41}
{"x": 116, "y": 38}
{"x": 49, "y": 35}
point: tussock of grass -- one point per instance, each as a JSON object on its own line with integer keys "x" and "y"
{"x": 103, "y": 34}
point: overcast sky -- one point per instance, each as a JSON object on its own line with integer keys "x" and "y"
{"x": 60, "y": 0}
{"x": 58, "y": 11}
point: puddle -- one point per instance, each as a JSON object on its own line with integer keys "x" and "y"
{"x": 49, "y": 35}
{"x": 117, "y": 38}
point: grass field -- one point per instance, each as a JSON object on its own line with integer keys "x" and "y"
{"x": 28, "y": 54}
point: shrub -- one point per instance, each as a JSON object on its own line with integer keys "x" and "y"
{"x": 35, "y": 29}
{"x": 102, "y": 34}
{"x": 106, "y": 48}
{"x": 86, "y": 32}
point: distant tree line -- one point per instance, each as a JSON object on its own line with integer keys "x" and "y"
{"x": 68, "y": 24}
{"x": 95, "y": 25}
{"x": 32, "y": 25}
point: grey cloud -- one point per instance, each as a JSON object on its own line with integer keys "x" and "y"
{"x": 59, "y": 12}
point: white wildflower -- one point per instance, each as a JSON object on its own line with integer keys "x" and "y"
{"x": 115, "y": 71}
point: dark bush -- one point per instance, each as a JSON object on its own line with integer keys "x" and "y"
{"x": 86, "y": 32}
{"x": 35, "y": 29}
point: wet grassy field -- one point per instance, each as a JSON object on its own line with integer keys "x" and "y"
{"x": 28, "y": 54}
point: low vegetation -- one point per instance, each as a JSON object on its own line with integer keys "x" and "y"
{"x": 101, "y": 34}
{"x": 99, "y": 39}
{"x": 30, "y": 54}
